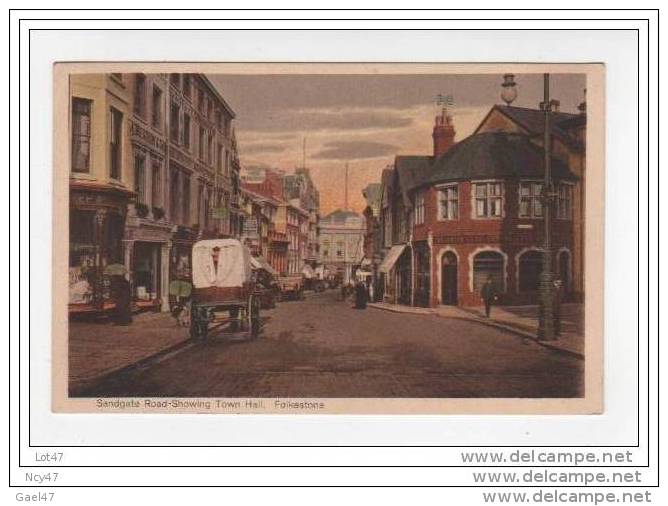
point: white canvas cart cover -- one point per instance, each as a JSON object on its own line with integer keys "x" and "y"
{"x": 259, "y": 262}
{"x": 307, "y": 271}
{"x": 391, "y": 258}
{"x": 234, "y": 263}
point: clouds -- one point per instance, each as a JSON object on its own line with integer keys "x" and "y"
{"x": 365, "y": 119}
{"x": 325, "y": 119}
{"x": 354, "y": 150}
{"x": 264, "y": 147}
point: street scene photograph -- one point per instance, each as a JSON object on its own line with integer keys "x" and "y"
{"x": 306, "y": 235}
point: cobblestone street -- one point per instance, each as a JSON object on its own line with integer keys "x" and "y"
{"x": 322, "y": 347}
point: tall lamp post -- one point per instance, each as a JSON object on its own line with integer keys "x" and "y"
{"x": 546, "y": 330}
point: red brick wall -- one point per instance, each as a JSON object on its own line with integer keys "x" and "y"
{"x": 466, "y": 235}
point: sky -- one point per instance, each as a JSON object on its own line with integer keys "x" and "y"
{"x": 363, "y": 120}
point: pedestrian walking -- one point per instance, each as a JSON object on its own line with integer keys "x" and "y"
{"x": 122, "y": 314}
{"x": 360, "y": 295}
{"x": 488, "y": 295}
{"x": 558, "y": 295}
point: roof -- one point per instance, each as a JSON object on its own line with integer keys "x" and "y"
{"x": 217, "y": 94}
{"x": 412, "y": 171}
{"x": 494, "y": 155}
{"x": 533, "y": 120}
{"x": 340, "y": 215}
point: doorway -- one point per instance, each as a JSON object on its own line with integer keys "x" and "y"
{"x": 449, "y": 279}
{"x": 146, "y": 271}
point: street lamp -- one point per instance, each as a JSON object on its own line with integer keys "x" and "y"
{"x": 546, "y": 318}
{"x": 509, "y": 91}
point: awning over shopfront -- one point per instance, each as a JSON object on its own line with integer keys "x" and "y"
{"x": 391, "y": 258}
{"x": 260, "y": 263}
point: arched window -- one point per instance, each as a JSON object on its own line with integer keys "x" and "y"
{"x": 488, "y": 264}
{"x": 530, "y": 266}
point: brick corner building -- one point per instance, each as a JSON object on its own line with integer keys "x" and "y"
{"x": 473, "y": 211}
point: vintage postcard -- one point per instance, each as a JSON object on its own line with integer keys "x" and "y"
{"x": 326, "y": 238}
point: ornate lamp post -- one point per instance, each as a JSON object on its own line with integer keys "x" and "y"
{"x": 546, "y": 330}
{"x": 509, "y": 91}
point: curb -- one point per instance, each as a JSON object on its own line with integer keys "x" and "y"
{"x": 81, "y": 386}
{"x": 490, "y": 323}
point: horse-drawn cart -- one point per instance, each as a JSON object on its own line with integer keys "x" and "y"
{"x": 224, "y": 289}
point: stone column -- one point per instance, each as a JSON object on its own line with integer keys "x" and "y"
{"x": 165, "y": 252}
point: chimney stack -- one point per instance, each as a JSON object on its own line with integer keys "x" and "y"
{"x": 583, "y": 105}
{"x": 444, "y": 133}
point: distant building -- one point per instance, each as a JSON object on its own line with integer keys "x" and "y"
{"x": 342, "y": 243}
{"x": 300, "y": 186}
{"x": 293, "y": 231}
{"x": 265, "y": 186}
{"x": 372, "y": 246}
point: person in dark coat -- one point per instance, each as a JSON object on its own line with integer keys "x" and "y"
{"x": 558, "y": 296}
{"x": 123, "y": 311}
{"x": 361, "y": 295}
{"x": 488, "y": 295}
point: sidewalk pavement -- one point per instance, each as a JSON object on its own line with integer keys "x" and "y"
{"x": 97, "y": 349}
{"x": 520, "y": 320}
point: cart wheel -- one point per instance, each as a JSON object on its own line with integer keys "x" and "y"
{"x": 253, "y": 316}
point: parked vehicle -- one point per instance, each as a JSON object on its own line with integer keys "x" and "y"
{"x": 292, "y": 287}
{"x": 224, "y": 289}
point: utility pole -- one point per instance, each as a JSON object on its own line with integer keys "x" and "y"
{"x": 546, "y": 321}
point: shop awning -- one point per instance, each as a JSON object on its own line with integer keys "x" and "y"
{"x": 260, "y": 263}
{"x": 391, "y": 258}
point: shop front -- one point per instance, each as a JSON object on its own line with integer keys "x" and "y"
{"x": 97, "y": 221}
{"x": 147, "y": 246}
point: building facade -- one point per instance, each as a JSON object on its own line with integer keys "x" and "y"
{"x": 162, "y": 148}
{"x": 101, "y": 185}
{"x": 300, "y": 186}
{"x": 266, "y": 187}
{"x": 342, "y": 243}
{"x": 474, "y": 210}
